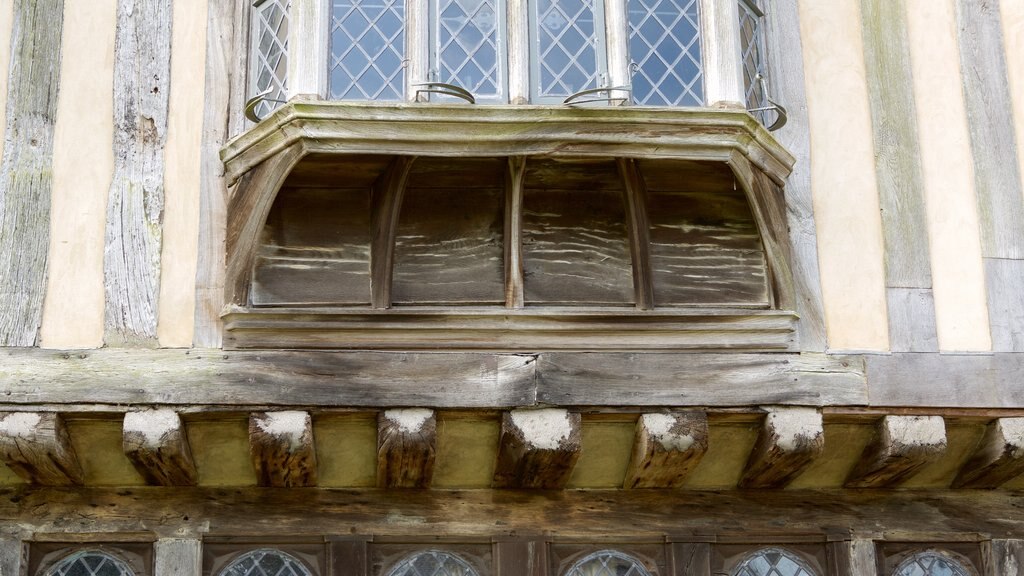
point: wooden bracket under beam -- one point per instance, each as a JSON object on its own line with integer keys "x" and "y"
{"x": 156, "y": 444}
{"x": 281, "y": 446}
{"x": 999, "y": 457}
{"x": 666, "y": 448}
{"x": 789, "y": 440}
{"x": 902, "y": 446}
{"x": 538, "y": 448}
{"x": 406, "y": 444}
{"x": 37, "y": 447}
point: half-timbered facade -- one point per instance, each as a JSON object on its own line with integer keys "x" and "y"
{"x": 511, "y": 287}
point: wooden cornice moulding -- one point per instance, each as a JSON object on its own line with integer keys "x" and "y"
{"x": 36, "y": 445}
{"x": 406, "y": 445}
{"x": 440, "y": 130}
{"x": 156, "y": 444}
{"x": 538, "y": 448}
{"x": 789, "y": 441}
{"x": 666, "y": 449}
{"x": 902, "y": 446}
{"x": 282, "y": 450}
{"x": 999, "y": 457}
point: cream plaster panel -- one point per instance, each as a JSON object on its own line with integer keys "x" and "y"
{"x": 6, "y": 29}
{"x": 83, "y": 165}
{"x": 176, "y": 315}
{"x": 1012, "y": 13}
{"x": 958, "y": 275}
{"x": 846, "y": 207}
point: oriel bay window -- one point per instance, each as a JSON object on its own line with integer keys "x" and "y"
{"x": 618, "y": 52}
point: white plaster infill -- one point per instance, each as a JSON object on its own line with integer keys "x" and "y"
{"x": 795, "y": 427}
{"x": 659, "y": 427}
{"x": 289, "y": 425}
{"x": 152, "y": 425}
{"x": 409, "y": 420}
{"x": 544, "y": 429}
{"x": 20, "y": 424}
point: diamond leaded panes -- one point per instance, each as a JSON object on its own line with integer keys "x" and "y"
{"x": 664, "y": 45}
{"x": 265, "y": 562}
{"x": 433, "y": 563}
{"x": 269, "y": 54}
{"x": 468, "y": 46}
{"x": 752, "y": 55}
{"x": 930, "y": 563}
{"x": 90, "y": 563}
{"x": 367, "y": 59}
{"x": 773, "y": 562}
{"x": 567, "y": 48}
{"x": 607, "y": 563}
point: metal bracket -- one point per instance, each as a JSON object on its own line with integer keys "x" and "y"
{"x": 252, "y": 103}
{"x": 781, "y": 117}
{"x": 445, "y": 89}
{"x": 573, "y": 99}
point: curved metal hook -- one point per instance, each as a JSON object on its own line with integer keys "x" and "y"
{"x": 447, "y": 90}
{"x": 252, "y": 103}
{"x": 572, "y": 99}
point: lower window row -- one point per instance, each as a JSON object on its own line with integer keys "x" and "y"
{"x": 296, "y": 561}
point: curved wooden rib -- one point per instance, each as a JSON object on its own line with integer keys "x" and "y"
{"x": 638, "y": 228}
{"x": 388, "y": 192}
{"x": 514, "y": 178}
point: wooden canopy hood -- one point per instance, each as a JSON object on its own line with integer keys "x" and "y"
{"x": 624, "y": 173}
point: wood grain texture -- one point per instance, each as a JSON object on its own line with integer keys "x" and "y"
{"x": 597, "y": 515}
{"x": 521, "y": 557}
{"x": 786, "y": 73}
{"x": 666, "y": 448}
{"x": 987, "y": 95}
{"x": 7, "y": 31}
{"x": 282, "y": 450}
{"x": 1002, "y": 557}
{"x": 135, "y": 205}
{"x": 790, "y": 440}
{"x": 177, "y": 556}
{"x": 25, "y": 169}
{"x": 406, "y": 444}
{"x": 514, "y": 232}
{"x": 997, "y": 459}
{"x": 1003, "y": 280}
{"x": 912, "y": 320}
{"x": 897, "y": 154}
{"x": 156, "y": 443}
{"x": 225, "y": 84}
{"x": 945, "y": 380}
{"x": 853, "y": 558}
{"x": 13, "y": 557}
{"x": 37, "y": 447}
{"x": 902, "y": 446}
{"x": 538, "y": 449}
{"x": 638, "y": 229}
{"x": 691, "y": 559}
{"x": 709, "y": 380}
{"x": 388, "y": 192}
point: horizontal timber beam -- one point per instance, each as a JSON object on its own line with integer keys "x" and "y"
{"x": 655, "y": 514}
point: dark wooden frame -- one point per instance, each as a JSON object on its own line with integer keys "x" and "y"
{"x": 43, "y": 556}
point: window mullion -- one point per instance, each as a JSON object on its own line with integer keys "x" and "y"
{"x": 417, "y": 47}
{"x": 308, "y": 48}
{"x": 722, "y": 67}
{"x": 518, "y": 41}
{"x": 617, "y": 35}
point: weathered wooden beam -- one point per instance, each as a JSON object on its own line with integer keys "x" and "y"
{"x": 26, "y": 175}
{"x": 997, "y": 459}
{"x": 1000, "y": 557}
{"x": 156, "y": 444}
{"x": 281, "y": 446}
{"x": 789, "y": 440}
{"x": 638, "y": 227}
{"x": 134, "y": 233}
{"x": 852, "y": 558}
{"x": 388, "y": 192}
{"x": 666, "y": 448}
{"x": 406, "y": 443}
{"x": 902, "y": 446}
{"x": 177, "y": 557}
{"x": 538, "y": 449}
{"x": 514, "y": 179}
{"x": 13, "y": 556}
{"x": 37, "y": 447}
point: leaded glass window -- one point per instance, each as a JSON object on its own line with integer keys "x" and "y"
{"x": 567, "y": 48}
{"x": 665, "y": 52}
{"x": 433, "y": 563}
{"x": 607, "y": 563}
{"x": 753, "y": 61}
{"x": 468, "y": 46}
{"x": 269, "y": 54}
{"x": 90, "y": 563}
{"x": 773, "y": 562}
{"x": 367, "y": 58}
{"x": 265, "y": 562}
{"x": 930, "y": 563}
